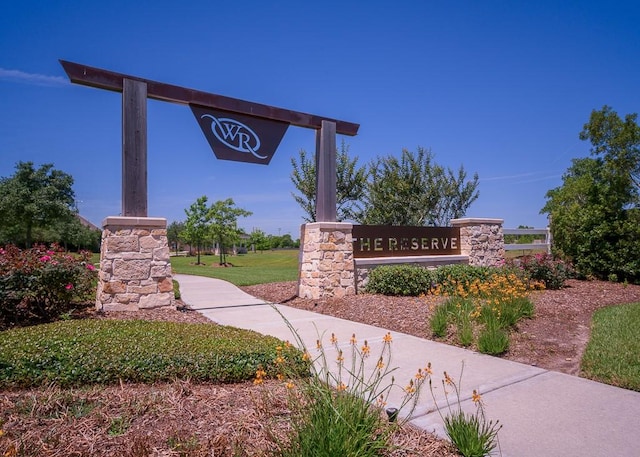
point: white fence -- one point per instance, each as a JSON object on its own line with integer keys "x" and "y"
{"x": 546, "y": 244}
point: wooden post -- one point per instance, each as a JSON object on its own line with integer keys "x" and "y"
{"x": 326, "y": 172}
{"x": 134, "y": 148}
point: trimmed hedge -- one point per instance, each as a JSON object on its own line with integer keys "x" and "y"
{"x": 81, "y": 352}
{"x": 413, "y": 280}
{"x": 404, "y": 280}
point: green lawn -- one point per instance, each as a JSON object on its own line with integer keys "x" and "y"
{"x": 613, "y": 353}
{"x": 248, "y": 269}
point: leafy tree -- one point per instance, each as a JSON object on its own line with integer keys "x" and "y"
{"x": 399, "y": 190}
{"x": 350, "y": 184}
{"x": 34, "y": 199}
{"x": 283, "y": 241}
{"x": 456, "y": 195}
{"x": 175, "y": 232}
{"x": 303, "y": 177}
{"x": 197, "y": 225}
{"x": 224, "y": 215}
{"x": 259, "y": 240}
{"x": 73, "y": 234}
{"x": 414, "y": 190}
{"x": 595, "y": 213}
{"x": 617, "y": 141}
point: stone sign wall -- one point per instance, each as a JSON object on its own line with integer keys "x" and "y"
{"x": 328, "y": 268}
{"x": 135, "y": 270}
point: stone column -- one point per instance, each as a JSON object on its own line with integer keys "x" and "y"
{"x": 135, "y": 270}
{"x": 326, "y": 267}
{"x": 481, "y": 239}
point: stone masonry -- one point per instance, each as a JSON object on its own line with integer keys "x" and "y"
{"x": 481, "y": 239}
{"x": 135, "y": 270}
{"x": 326, "y": 267}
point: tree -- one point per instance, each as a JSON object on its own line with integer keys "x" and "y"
{"x": 73, "y": 234}
{"x": 456, "y": 194}
{"x": 197, "y": 227}
{"x": 414, "y": 190}
{"x": 617, "y": 141}
{"x": 224, "y": 215}
{"x": 350, "y": 184}
{"x": 595, "y": 213}
{"x": 175, "y": 234}
{"x": 34, "y": 199}
{"x": 259, "y": 240}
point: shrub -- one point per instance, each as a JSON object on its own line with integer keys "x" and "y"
{"x": 543, "y": 267}
{"x": 404, "y": 280}
{"x": 80, "y": 352}
{"x": 176, "y": 290}
{"x": 456, "y": 279}
{"x": 41, "y": 283}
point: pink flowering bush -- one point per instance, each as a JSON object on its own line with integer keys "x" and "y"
{"x": 40, "y": 284}
{"x": 543, "y": 267}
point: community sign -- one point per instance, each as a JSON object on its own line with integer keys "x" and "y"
{"x": 402, "y": 241}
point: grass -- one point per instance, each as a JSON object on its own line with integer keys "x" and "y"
{"x": 491, "y": 322}
{"x": 612, "y": 355}
{"x": 84, "y": 352}
{"x": 95, "y": 259}
{"x": 248, "y": 269}
{"x": 346, "y": 419}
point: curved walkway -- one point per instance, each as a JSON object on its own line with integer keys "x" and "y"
{"x": 543, "y": 413}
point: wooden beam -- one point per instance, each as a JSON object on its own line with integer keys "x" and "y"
{"x": 109, "y": 80}
{"x": 326, "y": 204}
{"x": 134, "y": 148}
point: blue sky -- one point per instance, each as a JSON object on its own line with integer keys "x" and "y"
{"x": 501, "y": 87}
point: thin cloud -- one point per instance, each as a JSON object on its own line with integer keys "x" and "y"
{"x": 532, "y": 177}
{"x": 498, "y": 178}
{"x": 542, "y": 178}
{"x": 32, "y": 78}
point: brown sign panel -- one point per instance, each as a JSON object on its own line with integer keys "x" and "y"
{"x": 237, "y": 137}
{"x": 402, "y": 241}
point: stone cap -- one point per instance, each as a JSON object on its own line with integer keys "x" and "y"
{"x": 429, "y": 259}
{"x": 329, "y": 225}
{"x": 475, "y": 221}
{"x": 126, "y": 221}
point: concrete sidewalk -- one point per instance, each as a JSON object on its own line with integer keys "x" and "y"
{"x": 543, "y": 413}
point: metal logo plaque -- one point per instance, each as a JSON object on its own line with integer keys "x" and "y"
{"x": 240, "y": 138}
{"x": 403, "y": 241}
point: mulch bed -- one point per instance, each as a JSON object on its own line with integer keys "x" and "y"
{"x": 554, "y": 339}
